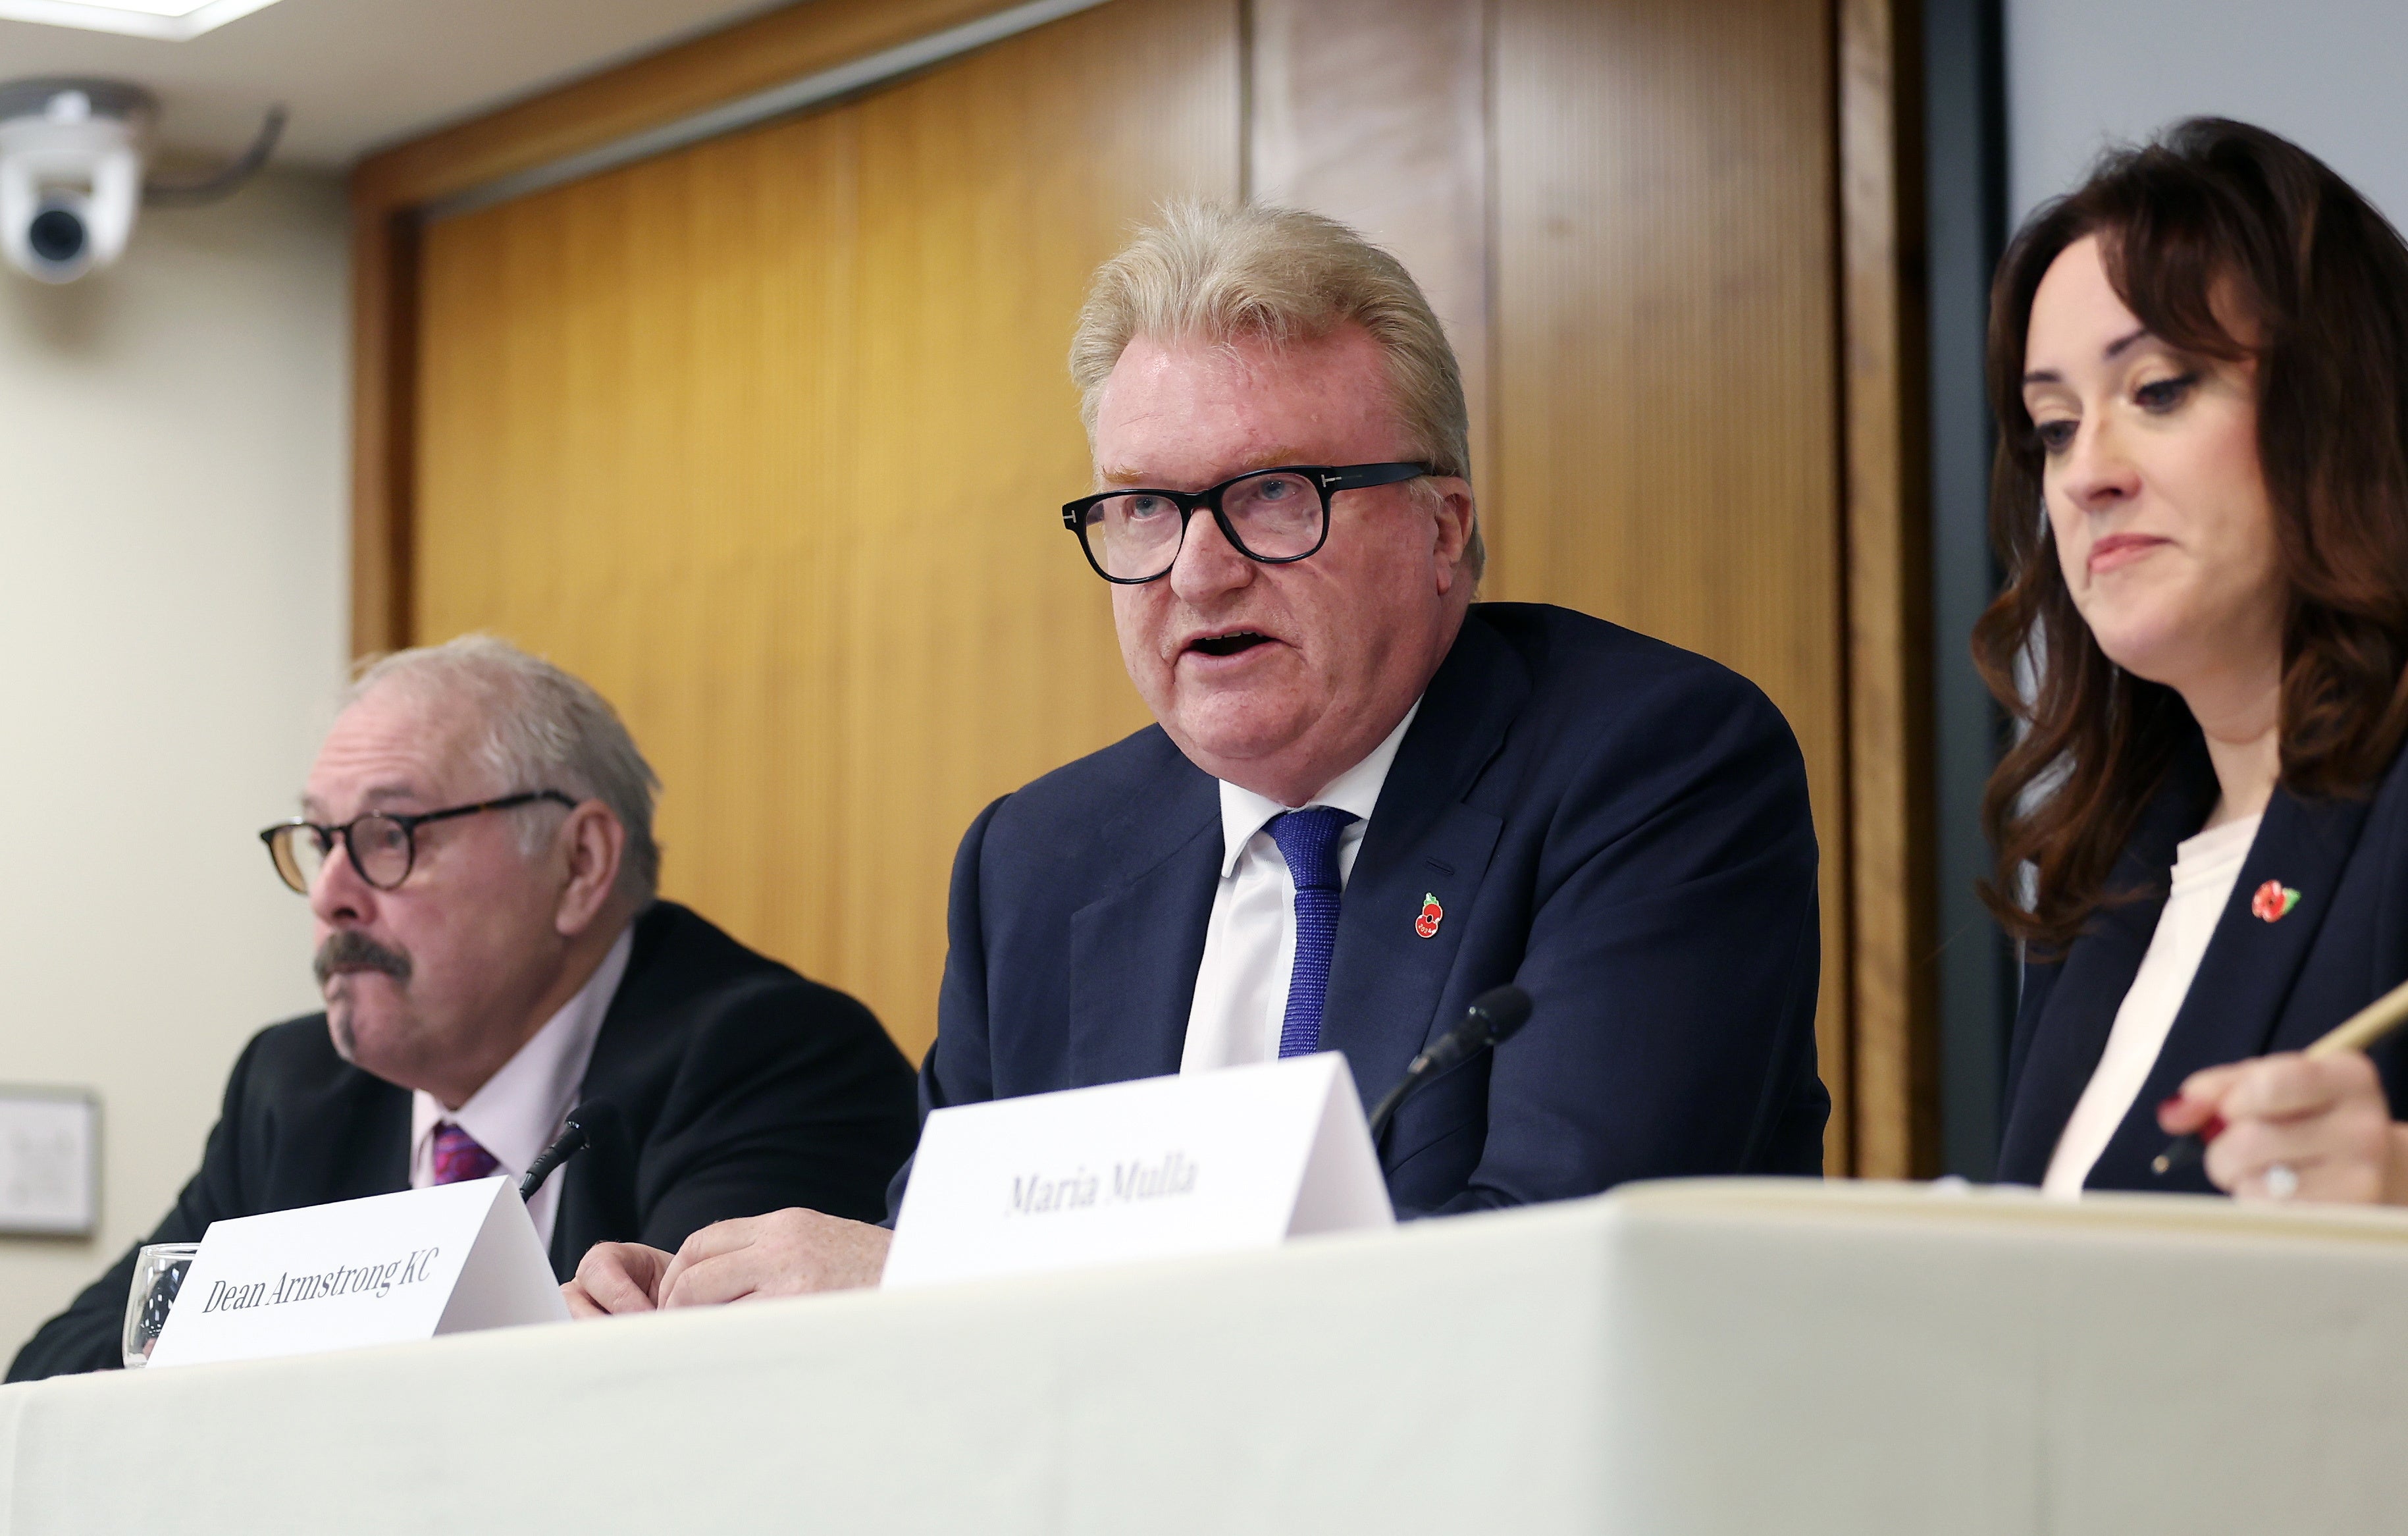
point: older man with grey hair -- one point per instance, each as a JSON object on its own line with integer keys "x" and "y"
{"x": 476, "y": 845}
{"x": 1368, "y": 799}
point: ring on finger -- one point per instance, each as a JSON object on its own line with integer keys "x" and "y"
{"x": 2282, "y": 1181}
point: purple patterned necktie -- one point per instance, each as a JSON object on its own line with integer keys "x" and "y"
{"x": 458, "y": 1158}
{"x": 1308, "y": 840}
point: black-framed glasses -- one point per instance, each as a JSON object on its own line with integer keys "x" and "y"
{"x": 383, "y": 844}
{"x": 1275, "y": 516}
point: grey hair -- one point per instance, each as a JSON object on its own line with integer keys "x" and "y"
{"x": 1227, "y": 271}
{"x": 542, "y": 728}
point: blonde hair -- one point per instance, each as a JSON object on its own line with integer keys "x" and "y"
{"x": 540, "y": 729}
{"x": 1226, "y": 271}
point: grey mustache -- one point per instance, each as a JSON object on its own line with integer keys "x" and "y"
{"x": 347, "y": 949}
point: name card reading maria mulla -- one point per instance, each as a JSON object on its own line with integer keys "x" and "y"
{"x": 379, "y": 1270}
{"x": 1244, "y": 1157}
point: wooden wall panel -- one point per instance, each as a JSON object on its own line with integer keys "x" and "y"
{"x": 764, "y": 437}
{"x": 1666, "y": 422}
{"x": 1375, "y": 112}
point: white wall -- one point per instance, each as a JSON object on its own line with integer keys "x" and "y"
{"x": 2326, "y": 74}
{"x": 173, "y": 599}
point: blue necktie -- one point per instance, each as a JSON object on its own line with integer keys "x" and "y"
{"x": 1308, "y": 840}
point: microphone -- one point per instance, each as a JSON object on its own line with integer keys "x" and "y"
{"x": 586, "y": 1125}
{"x": 1494, "y": 1015}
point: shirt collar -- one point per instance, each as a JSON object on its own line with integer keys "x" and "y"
{"x": 1244, "y": 812}
{"x": 518, "y": 1111}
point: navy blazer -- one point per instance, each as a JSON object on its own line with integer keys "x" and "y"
{"x": 2261, "y": 987}
{"x": 1619, "y": 826}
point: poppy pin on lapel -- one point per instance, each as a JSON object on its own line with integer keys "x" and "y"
{"x": 1427, "y": 924}
{"x": 2272, "y": 901}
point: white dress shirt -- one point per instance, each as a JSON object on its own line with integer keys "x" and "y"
{"x": 1250, "y": 943}
{"x": 519, "y": 1111}
{"x": 2206, "y": 868}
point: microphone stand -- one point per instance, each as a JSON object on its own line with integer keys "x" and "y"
{"x": 1494, "y": 1015}
{"x": 586, "y": 1125}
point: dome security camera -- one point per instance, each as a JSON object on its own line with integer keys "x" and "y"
{"x": 71, "y": 161}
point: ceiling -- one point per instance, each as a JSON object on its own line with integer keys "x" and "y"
{"x": 359, "y": 74}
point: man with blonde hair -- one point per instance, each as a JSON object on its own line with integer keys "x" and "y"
{"x": 476, "y": 845}
{"x": 1366, "y": 798}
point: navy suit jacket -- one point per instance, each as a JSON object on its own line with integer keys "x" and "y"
{"x": 1619, "y": 826}
{"x": 2261, "y": 987}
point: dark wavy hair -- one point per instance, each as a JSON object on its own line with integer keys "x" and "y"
{"x": 2212, "y": 210}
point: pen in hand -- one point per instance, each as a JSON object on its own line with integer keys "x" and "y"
{"x": 2356, "y": 1033}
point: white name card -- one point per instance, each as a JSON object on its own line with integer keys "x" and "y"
{"x": 1244, "y": 1157}
{"x": 379, "y": 1270}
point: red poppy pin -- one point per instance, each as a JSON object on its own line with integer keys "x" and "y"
{"x": 1427, "y": 924}
{"x": 2272, "y": 901}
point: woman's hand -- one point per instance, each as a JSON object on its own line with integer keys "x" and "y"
{"x": 2296, "y": 1128}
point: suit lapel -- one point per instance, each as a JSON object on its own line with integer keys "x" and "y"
{"x": 384, "y": 1162}
{"x": 1386, "y": 980}
{"x": 2236, "y": 998}
{"x": 2056, "y": 1055}
{"x": 2070, "y": 1034}
{"x": 1135, "y": 952}
{"x": 596, "y": 1197}
{"x": 629, "y": 1070}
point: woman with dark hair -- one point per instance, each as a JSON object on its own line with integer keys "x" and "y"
{"x": 2199, "y": 363}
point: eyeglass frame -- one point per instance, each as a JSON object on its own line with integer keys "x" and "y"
{"x": 409, "y": 822}
{"x": 1327, "y": 480}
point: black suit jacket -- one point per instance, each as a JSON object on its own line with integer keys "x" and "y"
{"x": 743, "y": 1088}
{"x": 2260, "y": 988}
{"x": 1619, "y": 826}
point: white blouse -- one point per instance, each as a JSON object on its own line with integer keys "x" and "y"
{"x": 2206, "y": 868}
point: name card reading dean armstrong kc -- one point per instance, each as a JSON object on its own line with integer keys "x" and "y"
{"x": 1243, "y": 1158}
{"x": 379, "y": 1270}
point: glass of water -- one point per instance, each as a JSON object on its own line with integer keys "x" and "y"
{"x": 158, "y": 1275}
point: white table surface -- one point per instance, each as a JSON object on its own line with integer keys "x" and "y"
{"x": 1702, "y": 1355}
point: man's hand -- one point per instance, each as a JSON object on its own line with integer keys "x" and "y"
{"x": 614, "y": 1279}
{"x": 786, "y": 1252}
{"x": 2324, "y": 1119}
